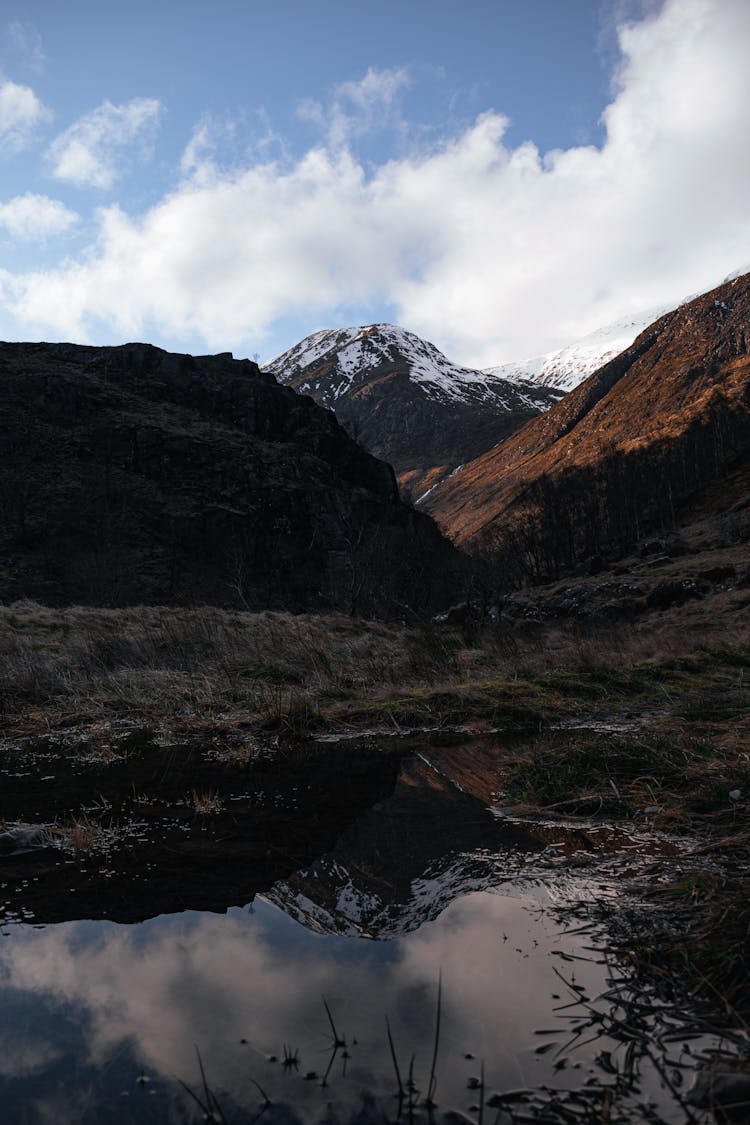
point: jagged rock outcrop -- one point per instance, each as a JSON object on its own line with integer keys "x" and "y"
{"x": 620, "y": 455}
{"x": 405, "y": 402}
{"x": 130, "y": 474}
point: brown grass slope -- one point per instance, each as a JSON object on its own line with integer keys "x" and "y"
{"x": 619, "y": 456}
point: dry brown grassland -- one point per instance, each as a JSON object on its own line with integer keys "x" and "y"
{"x": 186, "y": 667}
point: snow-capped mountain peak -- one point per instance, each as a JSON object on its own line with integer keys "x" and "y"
{"x": 405, "y": 401}
{"x": 344, "y": 357}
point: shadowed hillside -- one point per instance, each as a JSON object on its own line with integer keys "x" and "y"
{"x": 132, "y": 475}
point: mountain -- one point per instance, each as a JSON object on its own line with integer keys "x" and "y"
{"x": 405, "y": 402}
{"x": 133, "y": 475}
{"x": 620, "y": 455}
{"x": 566, "y": 367}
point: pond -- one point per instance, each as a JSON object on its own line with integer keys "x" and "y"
{"x": 356, "y": 886}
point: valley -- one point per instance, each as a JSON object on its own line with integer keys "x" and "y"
{"x": 279, "y": 759}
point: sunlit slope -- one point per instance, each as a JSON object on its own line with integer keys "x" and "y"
{"x": 618, "y": 455}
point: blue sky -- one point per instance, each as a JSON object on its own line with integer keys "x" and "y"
{"x": 499, "y": 177}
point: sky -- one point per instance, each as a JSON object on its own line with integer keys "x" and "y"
{"x": 499, "y": 176}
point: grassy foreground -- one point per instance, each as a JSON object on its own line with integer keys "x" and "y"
{"x": 309, "y": 672}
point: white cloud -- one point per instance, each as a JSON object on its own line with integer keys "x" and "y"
{"x": 491, "y": 251}
{"x": 28, "y": 217}
{"x": 20, "y": 113}
{"x": 91, "y": 152}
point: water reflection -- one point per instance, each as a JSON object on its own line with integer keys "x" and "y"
{"x": 101, "y": 1005}
{"x": 100, "y": 1021}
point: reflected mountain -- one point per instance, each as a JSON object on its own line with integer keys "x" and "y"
{"x": 163, "y": 829}
{"x": 404, "y": 860}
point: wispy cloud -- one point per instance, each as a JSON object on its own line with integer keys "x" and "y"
{"x": 356, "y": 108}
{"x": 27, "y": 43}
{"x": 222, "y": 145}
{"x": 21, "y": 112}
{"x": 31, "y": 217}
{"x": 94, "y": 151}
{"x": 492, "y": 251}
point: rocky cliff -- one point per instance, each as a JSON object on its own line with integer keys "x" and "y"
{"x": 130, "y": 474}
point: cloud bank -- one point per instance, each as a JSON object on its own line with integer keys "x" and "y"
{"x": 493, "y": 252}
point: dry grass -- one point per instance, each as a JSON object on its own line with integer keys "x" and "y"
{"x": 289, "y": 673}
{"x": 208, "y": 803}
{"x": 678, "y": 781}
{"x": 83, "y": 836}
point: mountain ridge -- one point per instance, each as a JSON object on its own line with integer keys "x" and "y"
{"x": 584, "y": 479}
{"x": 567, "y": 367}
{"x": 407, "y": 403}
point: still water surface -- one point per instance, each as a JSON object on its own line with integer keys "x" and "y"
{"x": 91, "y": 1009}
{"x": 108, "y": 1022}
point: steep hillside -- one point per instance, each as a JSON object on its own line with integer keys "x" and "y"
{"x": 132, "y": 475}
{"x": 405, "y": 402}
{"x": 620, "y": 455}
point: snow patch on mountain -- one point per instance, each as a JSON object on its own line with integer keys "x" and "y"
{"x": 566, "y": 367}
{"x": 339, "y": 357}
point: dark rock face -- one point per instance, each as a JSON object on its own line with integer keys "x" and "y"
{"x": 133, "y": 475}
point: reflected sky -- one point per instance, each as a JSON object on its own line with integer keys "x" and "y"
{"x": 102, "y": 1021}
{"x": 89, "y": 1008}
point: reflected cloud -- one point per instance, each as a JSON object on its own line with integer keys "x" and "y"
{"x": 159, "y": 988}
{"x": 22, "y": 1056}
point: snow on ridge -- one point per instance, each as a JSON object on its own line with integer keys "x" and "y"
{"x": 349, "y": 351}
{"x": 312, "y": 349}
{"x": 347, "y": 907}
{"x": 564, "y": 368}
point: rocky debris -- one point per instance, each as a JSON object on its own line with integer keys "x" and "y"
{"x": 607, "y": 599}
{"x": 604, "y": 599}
{"x": 675, "y": 592}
